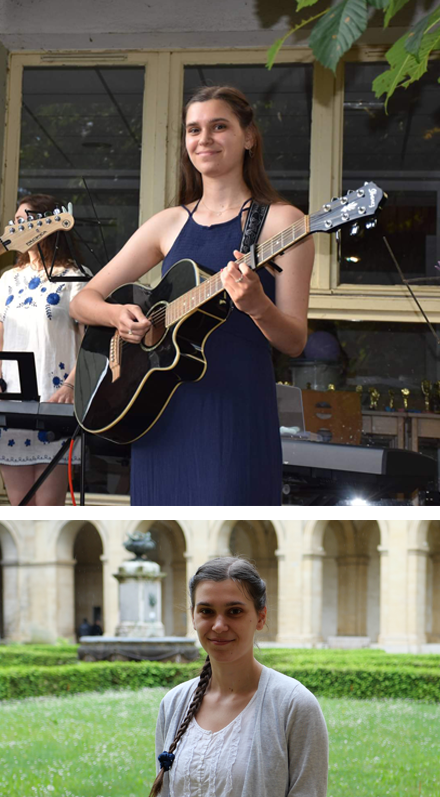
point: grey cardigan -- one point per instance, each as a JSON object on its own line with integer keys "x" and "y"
{"x": 289, "y": 752}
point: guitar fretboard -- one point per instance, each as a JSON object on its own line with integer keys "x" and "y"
{"x": 264, "y": 252}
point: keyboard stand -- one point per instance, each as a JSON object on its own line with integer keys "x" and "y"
{"x": 52, "y": 464}
{"x": 29, "y": 392}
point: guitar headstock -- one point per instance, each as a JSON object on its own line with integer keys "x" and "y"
{"x": 355, "y": 205}
{"x": 22, "y": 235}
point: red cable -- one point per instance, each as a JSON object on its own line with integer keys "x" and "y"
{"x": 69, "y": 471}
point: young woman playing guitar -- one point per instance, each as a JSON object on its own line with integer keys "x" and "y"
{"x": 217, "y": 441}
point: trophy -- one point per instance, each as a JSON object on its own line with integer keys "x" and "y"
{"x": 405, "y": 393}
{"x": 426, "y": 390}
{"x": 374, "y": 397}
{"x": 391, "y": 395}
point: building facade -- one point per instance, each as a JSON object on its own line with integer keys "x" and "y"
{"x": 331, "y": 583}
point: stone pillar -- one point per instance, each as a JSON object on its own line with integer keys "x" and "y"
{"x": 435, "y": 607}
{"x": 11, "y": 608}
{"x": 416, "y": 597}
{"x": 65, "y": 579}
{"x": 140, "y": 599}
{"x": 384, "y": 596}
{"x": 312, "y": 599}
{"x": 352, "y": 595}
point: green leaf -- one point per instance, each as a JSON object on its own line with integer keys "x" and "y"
{"x": 415, "y": 36}
{"x": 392, "y": 9}
{"x": 382, "y": 4}
{"x": 405, "y": 69}
{"x": 333, "y": 35}
{"x": 300, "y": 4}
{"x": 276, "y": 46}
{"x": 274, "y": 49}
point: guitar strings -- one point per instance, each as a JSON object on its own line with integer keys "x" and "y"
{"x": 264, "y": 253}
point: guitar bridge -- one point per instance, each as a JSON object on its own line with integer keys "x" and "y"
{"x": 114, "y": 358}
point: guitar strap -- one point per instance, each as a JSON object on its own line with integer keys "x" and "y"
{"x": 252, "y": 229}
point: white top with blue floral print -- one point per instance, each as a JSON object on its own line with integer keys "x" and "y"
{"x": 35, "y": 316}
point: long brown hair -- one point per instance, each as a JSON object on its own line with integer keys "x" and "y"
{"x": 254, "y": 173}
{"x": 43, "y": 203}
{"x": 247, "y": 576}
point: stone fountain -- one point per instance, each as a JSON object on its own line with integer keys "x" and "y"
{"x": 140, "y": 634}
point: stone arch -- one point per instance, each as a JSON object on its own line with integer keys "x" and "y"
{"x": 350, "y": 582}
{"x": 9, "y": 587}
{"x": 77, "y": 583}
{"x": 170, "y": 554}
{"x": 432, "y": 611}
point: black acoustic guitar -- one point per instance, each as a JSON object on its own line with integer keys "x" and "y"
{"x": 122, "y": 388}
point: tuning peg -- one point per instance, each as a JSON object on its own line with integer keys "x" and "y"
{"x": 20, "y": 220}
{"x": 63, "y": 209}
{"x": 345, "y": 215}
{"x": 328, "y": 224}
{"x": 70, "y": 208}
{"x": 11, "y": 221}
{"x": 30, "y": 226}
{"x": 344, "y": 200}
{"x": 11, "y": 229}
{"x": 29, "y": 217}
{"x": 327, "y": 208}
{"x": 47, "y": 213}
{"x": 361, "y": 210}
{"x": 360, "y": 192}
{"x": 39, "y": 216}
{"x": 335, "y": 199}
{"x": 21, "y": 228}
{"x": 56, "y": 212}
{"x": 350, "y": 191}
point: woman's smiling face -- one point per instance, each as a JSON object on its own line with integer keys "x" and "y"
{"x": 225, "y": 619}
{"x": 214, "y": 138}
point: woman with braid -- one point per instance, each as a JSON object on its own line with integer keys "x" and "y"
{"x": 240, "y": 728}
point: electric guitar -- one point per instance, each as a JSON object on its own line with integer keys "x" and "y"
{"x": 22, "y": 235}
{"x": 122, "y": 388}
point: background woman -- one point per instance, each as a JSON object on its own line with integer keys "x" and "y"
{"x": 217, "y": 441}
{"x": 34, "y": 316}
{"x": 241, "y": 728}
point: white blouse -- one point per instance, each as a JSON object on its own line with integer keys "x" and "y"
{"x": 209, "y": 764}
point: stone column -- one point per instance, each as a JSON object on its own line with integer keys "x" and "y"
{"x": 352, "y": 595}
{"x": 384, "y": 597}
{"x": 435, "y": 630}
{"x": 312, "y": 599}
{"x": 416, "y": 597}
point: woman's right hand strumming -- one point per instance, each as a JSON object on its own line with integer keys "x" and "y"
{"x": 131, "y": 323}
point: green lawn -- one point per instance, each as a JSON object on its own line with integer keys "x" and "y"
{"x": 99, "y": 745}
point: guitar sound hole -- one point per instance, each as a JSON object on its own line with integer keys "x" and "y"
{"x": 157, "y": 331}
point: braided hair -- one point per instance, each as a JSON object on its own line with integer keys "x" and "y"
{"x": 226, "y": 567}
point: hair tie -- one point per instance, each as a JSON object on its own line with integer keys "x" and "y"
{"x": 166, "y": 760}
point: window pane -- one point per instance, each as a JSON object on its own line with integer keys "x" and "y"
{"x": 282, "y": 101}
{"x": 399, "y": 151}
{"x": 83, "y": 127}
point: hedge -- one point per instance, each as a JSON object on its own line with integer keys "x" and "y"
{"x": 415, "y": 683}
{"x": 37, "y": 655}
{"x": 279, "y": 657}
{"x": 50, "y": 655}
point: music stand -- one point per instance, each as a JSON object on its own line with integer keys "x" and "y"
{"x": 29, "y": 392}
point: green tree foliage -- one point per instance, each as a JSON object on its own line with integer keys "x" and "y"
{"x": 338, "y": 27}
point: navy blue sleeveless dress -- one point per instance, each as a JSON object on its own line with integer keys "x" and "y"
{"x": 217, "y": 442}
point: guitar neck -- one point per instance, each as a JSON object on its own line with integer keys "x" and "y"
{"x": 211, "y": 287}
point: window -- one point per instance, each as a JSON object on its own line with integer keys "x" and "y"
{"x": 81, "y": 141}
{"x": 399, "y": 151}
